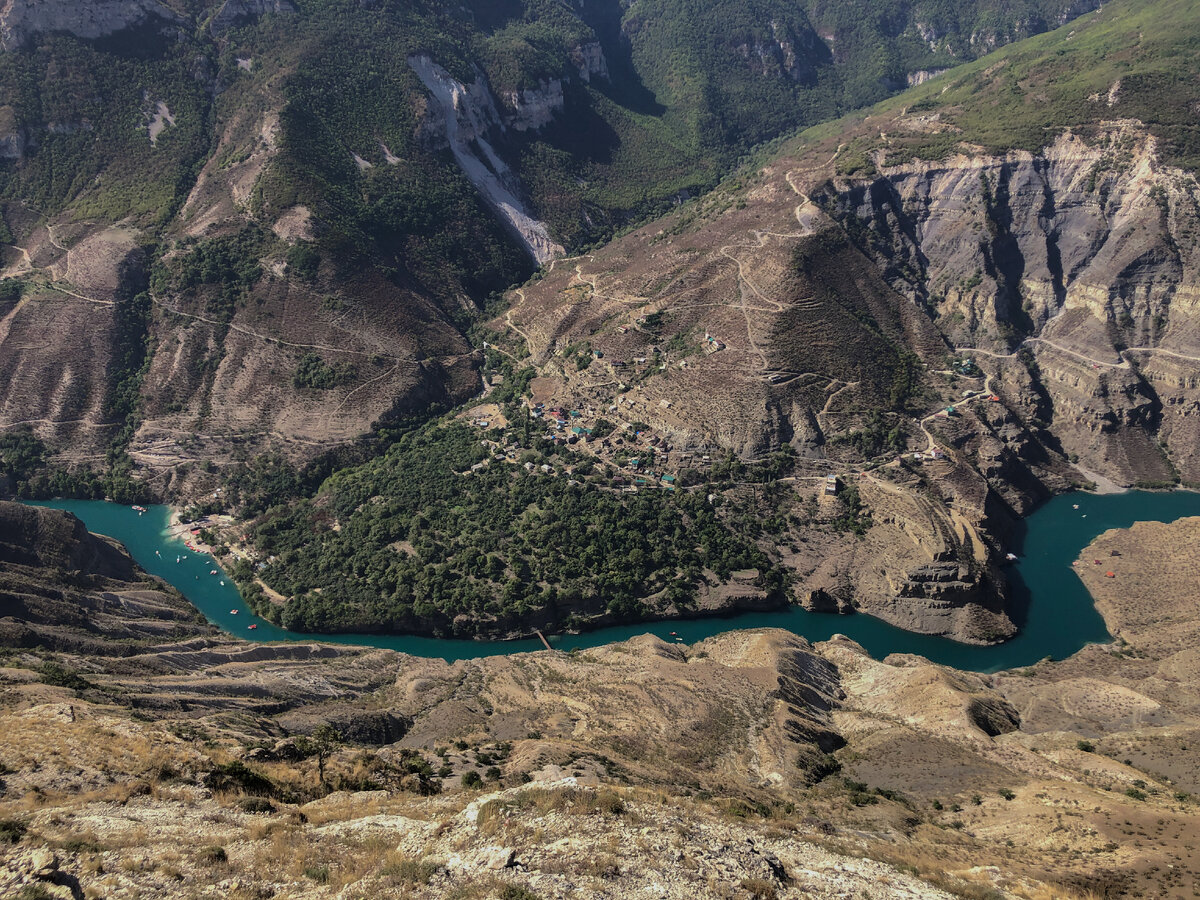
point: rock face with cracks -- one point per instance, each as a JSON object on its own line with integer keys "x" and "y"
{"x": 22, "y": 20}
{"x": 463, "y": 115}
{"x": 1081, "y": 255}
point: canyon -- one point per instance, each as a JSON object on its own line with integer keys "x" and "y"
{"x": 1024, "y": 781}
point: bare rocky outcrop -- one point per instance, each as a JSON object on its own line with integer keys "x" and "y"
{"x": 922, "y": 566}
{"x": 13, "y": 136}
{"x": 786, "y": 53}
{"x": 1075, "y": 253}
{"x": 66, "y": 589}
{"x": 236, "y": 12}
{"x": 1079, "y": 227}
{"x": 48, "y": 537}
{"x": 923, "y": 75}
{"x": 359, "y": 726}
{"x": 589, "y": 60}
{"x": 532, "y": 108}
{"x": 21, "y": 20}
{"x": 463, "y": 117}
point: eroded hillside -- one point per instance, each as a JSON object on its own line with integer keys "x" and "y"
{"x": 856, "y": 365}
{"x": 952, "y": 331}
{"x": 752, "y": 762}
{"x": 1086, "y": 262}
{"x": 273, "y": 222}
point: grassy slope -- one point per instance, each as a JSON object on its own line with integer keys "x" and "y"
{"x": 704, "y": 81}
{"x": 85, "y": 108}
{"x": 1024, "y": 95}
{"x": 878, "y": 43}
{"x": 695, "y": 84}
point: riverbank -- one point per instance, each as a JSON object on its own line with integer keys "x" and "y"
{"x": 1058, "y": 614}
{"x": 1102, "y": 485}
{"x": 1146, "y": 583}
{"x": 189, "y": 532}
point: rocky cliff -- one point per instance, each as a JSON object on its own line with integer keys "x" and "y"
{"x": 786, "y": 53}
{"x": 462, "y": 117}
{"x": 22, "y": 20}
{"x": 1054, "y": 290}
{"x": 1082, "y": 256}
{"x": 65, "y": 589}
{"x": 533, "y": 108}
{"x": 590, "y": 61}
{"x": 57, "y": 540}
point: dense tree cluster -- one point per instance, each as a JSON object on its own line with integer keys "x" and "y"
{"x": 84, "y": 107}
{"x": 409, "y": 540}
{"x": 314, "y": 372}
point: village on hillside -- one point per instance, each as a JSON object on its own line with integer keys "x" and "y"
{"x": 640, "y": 455}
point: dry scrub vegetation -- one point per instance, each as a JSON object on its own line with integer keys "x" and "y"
{"x": 750, "y": 765}
{"x": 99, "y": 803}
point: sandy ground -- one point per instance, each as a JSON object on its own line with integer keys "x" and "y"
{"x": 1103, "y": 485}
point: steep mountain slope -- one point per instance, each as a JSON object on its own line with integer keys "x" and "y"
{"x": 1081, "y": 246}
{"x": 1055, "y": 285}
{"x": 64, "y": 589}
{"x": 879, "y": 46}
{"x": 809, "y": 318}
{"x": 266, "y": 225}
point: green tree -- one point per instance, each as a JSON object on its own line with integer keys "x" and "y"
{"x": 324, "y": 742}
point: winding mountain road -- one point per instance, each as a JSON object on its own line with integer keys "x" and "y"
{"x": 1099, "y": 363}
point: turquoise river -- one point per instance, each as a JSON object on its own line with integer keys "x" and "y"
{"x": 1057, "y": 614}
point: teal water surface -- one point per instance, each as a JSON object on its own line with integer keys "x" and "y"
{"x": 1058, "y": 615}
